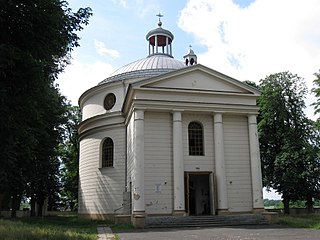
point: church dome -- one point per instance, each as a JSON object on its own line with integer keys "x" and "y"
{"x": 147, "y": 67}
{"x": 159, "y": 60}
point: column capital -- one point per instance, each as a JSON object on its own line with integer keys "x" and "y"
{"x": 177, "y": 116}
{"x": 252, "y": 119}
{"x": 217, "y": 117}
{"x": 139, "y": 114}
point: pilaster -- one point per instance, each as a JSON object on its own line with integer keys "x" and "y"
{"x": 178, "y": 168}
{"x": 220, "y": 170}
{"x": 256, "y": 176}
{"x": 138, "y": 205}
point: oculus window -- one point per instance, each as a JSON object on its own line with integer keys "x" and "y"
{"x": 109, "y": 101}
{"x": 195, "y": 135}
{"x": 107, "y": 153}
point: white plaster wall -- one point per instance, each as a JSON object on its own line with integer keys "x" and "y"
{"x": 237, "y": 163}
{"x": 101, "y": 189}
{"x": 158, "y": 163}
{"x": 130, "y": 150}
{"x": 198, "y": 163}
{"x": 94, "y": 104}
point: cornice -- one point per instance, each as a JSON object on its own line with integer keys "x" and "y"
{"x": 103, "y": 120}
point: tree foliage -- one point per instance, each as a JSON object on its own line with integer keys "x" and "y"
{"x": 287, "y": 138}
{"x": 35, "y": 42}
{"x": 316, "y": 92}
{"x": 69, "y": 154}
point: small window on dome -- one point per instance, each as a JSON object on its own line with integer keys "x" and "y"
{"x": 109, "y": 101}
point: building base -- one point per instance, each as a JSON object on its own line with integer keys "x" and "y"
{"x": 138, "y": 219}
{"x": 258, "y": 210}
{"x": 97, "y": 216}
{"x": 122, "y": 219}
{"x": 272, "y": 217}
{"x": 179, "y": 213}
{"x": 223, "y": 212}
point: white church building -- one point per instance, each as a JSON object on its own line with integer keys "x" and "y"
{"x": 162, "y": 137}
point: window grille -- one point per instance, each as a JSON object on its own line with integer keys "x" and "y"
{"x": 107, "y": 153}
{"x": 195, "y": 132}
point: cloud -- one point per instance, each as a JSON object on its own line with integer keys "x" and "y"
{"x": 250, "y": 43}
{"x": 103, "y": 51}
{"x": 79, "y": 77}
{"x": 140, "y": 7}
{"x": 143, "y": 7}
{"x": 122, "y": 3}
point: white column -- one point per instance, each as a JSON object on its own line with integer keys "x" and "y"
{"x": 178, "y": 169}
{"x": 138, "y": 162}
{"x": 167, "y": 43}
{"x": 220, "y": 170}
{"x": 156, "y": 42}
{"x": 256, "y": 175}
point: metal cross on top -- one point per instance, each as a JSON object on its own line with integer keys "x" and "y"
{"x": 159, "y": 22}
{"x": 159, "y": 15}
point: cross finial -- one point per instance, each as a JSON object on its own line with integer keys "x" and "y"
{"x": 160, "y": 16}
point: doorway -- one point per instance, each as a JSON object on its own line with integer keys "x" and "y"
{"x": 197, "y": 193}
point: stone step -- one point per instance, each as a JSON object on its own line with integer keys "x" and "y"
{"x": 205, "y": 221}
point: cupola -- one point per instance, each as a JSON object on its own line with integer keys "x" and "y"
{"x": 190, "y": 58}
{"x": 160, "y": 40}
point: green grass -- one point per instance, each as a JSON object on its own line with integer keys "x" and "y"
{"x": 118, "y": 227}
{"x": 301, "y": 221}
{"x": 53, "y": 228}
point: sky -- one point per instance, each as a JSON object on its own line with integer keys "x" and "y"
{"x": 245, "y": 39}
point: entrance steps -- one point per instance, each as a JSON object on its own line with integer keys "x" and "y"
{"x": 205, "y": 221}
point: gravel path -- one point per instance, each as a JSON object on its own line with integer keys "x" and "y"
{"x": 224, "y": 233}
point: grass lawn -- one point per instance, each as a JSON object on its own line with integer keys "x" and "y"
{"x": 301, "y": 221}
{"x": 55, "y": 228}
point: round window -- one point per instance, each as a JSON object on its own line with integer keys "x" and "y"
{"x": 109, "y": 101}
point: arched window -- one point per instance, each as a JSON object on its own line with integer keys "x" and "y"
{"x": 107, "y": 153}
{"x": 195, "y": 132}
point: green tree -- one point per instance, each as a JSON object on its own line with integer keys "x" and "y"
{"x": 284, "y": 135}
{"x": 35, "y": 42}
{"x": 252, "y": 84}
{"x": 316, "y": 91}
{"x": 69, "y": 154}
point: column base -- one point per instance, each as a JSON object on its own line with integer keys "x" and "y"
{"x": 138, "y": 219}
{"x": 223, "y": 212}
{"x": 272, "y": 217}
{"x": 179, "y": 213}
{"x": 258, "y": 210}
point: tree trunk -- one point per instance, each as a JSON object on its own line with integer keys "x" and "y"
{"x": 40, "y": 204}
{"x": 32, "y": 207}
{"x": 310, "y": 204}
{"x": 2, "y": 195}
{"x": 286, "y": 201}
{"x": 14, "y": 206}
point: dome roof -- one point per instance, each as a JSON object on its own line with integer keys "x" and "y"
{"x": 151, "y": 66}
{"x": 159, "y": 61}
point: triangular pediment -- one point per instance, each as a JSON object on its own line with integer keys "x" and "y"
{"x": 197, "y": 78}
